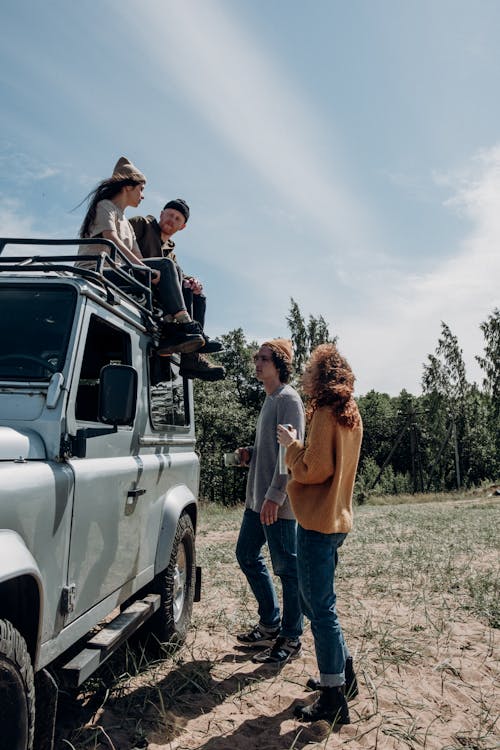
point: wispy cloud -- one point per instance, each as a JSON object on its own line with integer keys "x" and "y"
{"x": 23, "y": 168}
{"x": 468, "y": 282}
{"x": 236, "y": 86}
{"x": 461, "y": 290}
{"x": 13, "y": 221}
{"x": 16, "y": 220}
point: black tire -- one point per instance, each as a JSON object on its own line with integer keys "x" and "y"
{"x": 176, "y": 586}
{"x": 17, "y": 691}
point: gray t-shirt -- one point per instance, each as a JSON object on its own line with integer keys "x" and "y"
{"x": 109, "y": 217}
{"x": 284, "y": 406}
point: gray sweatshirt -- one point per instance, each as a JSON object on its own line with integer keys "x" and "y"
{"x": 264, "y": 480}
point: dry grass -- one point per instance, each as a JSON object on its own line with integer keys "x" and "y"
{"x": 486, "y": 491}
{"x": 418, "y": 598}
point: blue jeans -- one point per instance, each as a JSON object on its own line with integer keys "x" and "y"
{"x": 281, "y": 538}
{"x": 316, "y": 561}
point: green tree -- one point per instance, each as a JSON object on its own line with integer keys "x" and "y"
{"x": 409, "y": 455}
{"x": 226, "y": 413}
{"x": 298, "y": 333}
{"x": 480, "y": 449}
{"x": 378, "y": 414}
{"x": 306, "y": 336}
{"x": 448, "y": 406}
{"x": 237, "y": 358}
{"x": 490, "y": 362}
{"x": 318, "y": 333}
{"x": 391, "y": 443}
{"x": 445, "y": 375}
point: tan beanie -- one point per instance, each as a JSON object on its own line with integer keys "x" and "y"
{"x": 282, "y": 347}
{"x": 125, "y": 170}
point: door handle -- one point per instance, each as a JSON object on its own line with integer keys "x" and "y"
{"x": 132, "y": 497}
{"x": 134, "y": 494}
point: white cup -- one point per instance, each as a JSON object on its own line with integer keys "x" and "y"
{"x": 232, "y": 459}
{"x": 282, "y": 451}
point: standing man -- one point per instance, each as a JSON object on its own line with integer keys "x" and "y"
{"x": 268, "y": 516}
{"x": 155, "y": 241}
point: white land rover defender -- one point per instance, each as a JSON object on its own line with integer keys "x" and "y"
{"x": 98, "y": 477}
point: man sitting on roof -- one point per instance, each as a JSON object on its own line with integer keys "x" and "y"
{"x": 155, "y": 241}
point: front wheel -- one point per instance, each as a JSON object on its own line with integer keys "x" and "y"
{"x": 17, "y": 691}
{"x": 176, "y": 586}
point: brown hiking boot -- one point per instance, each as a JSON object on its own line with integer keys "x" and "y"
{"x": 198, "y": 366}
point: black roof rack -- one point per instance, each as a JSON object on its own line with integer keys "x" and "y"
{"x": 126, "y": 283}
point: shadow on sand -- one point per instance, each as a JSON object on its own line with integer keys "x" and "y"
{"x": 159, "y": 709}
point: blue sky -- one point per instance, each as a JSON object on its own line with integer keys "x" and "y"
{"x": 345, "y": 154}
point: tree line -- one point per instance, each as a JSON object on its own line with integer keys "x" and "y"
{"x": 446, "y": 438}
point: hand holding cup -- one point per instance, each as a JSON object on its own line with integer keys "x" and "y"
{"x": 239, "y": 457}
{"x": 286, "y": 434}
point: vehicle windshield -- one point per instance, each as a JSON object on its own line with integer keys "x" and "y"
{"x": 35, "y": 325}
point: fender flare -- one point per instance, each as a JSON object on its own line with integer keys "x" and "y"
{"x": 177, "y": 499}
{"x": 16, "y": 561}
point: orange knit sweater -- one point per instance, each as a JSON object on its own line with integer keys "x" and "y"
{"x": 323, "y": 474}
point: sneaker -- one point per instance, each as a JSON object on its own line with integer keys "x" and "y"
{"x": 283, "y": 650}
{"x": 258, "y": 636}
{"x": 180, "y": 337}
{"x": 351, "y": 683}
{"x": 331, "y": 706}
{"x": 211, "y": 345}
{"x": 198, "y": 366}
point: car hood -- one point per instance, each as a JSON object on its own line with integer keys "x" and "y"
{"x": 20, "y": 444}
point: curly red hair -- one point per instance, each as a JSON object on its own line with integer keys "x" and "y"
{"x": 332, "y": 384}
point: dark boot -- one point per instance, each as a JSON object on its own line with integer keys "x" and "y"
{"x": 198, "y": 366}
{"x": 180, "y": 337}
{"x": 351, "y": 683}
{"x": 211, "y": 345}
{"x": 331, "y": 706}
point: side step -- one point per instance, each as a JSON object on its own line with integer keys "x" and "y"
{"x": 108, "y": 639}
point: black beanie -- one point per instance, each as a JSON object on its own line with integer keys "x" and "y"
{"x": 179, "y": 205}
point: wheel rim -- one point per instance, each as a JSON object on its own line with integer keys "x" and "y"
{"x": 180, "y": 576}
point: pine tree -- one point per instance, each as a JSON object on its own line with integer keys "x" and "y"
{"x": 490, "y": 363}
{"x": 306, "y": 336}
{"x": 445, "y": 386}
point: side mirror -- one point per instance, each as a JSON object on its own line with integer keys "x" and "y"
{"x": 117, "y": 395}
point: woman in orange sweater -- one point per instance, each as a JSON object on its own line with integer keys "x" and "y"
{"x": 323, "y": 472}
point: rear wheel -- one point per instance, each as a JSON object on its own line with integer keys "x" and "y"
{"x": 17, "y": 691}
{"x": 176, "y": 586}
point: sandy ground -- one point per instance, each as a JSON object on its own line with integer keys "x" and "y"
{"x": 419, "y": 689}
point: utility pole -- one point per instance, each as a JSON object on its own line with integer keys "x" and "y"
{"x": 416, "y": 462}
{"x": 412, "y": 453}
{"x": 457, "y": 456}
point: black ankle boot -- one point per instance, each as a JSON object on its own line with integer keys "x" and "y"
{"x": 330, "y": 706}
{"x": 351, "y": 683}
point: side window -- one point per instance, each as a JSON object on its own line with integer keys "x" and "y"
{"x": 105, "y": 345}
{"x": 168, "y": 394}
